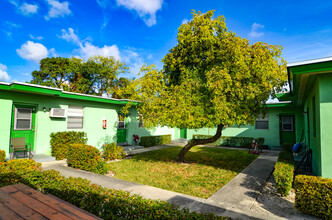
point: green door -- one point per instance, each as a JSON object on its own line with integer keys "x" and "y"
{"x": 121, "y": 136}
{"x": 287, "y": 129}
{"x": 23, "y": 123}
{"x": 183, "y": 133}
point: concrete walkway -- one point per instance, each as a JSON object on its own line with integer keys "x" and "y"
{"x": 235, "y": 199}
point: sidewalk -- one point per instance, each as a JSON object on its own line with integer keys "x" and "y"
{"x": 235, "y": 199}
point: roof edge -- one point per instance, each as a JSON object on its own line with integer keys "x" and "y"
{"x": 66, "y": 92}
{"x": 313, "y": 61}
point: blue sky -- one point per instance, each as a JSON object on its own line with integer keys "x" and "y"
{"x": 142, "y": 31}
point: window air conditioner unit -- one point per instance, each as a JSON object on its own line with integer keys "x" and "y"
{"x": 57, "y": 113}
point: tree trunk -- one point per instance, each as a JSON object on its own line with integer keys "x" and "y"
{"x": 195, "y": 142}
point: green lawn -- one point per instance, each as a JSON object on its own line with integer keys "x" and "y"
{"x": 207, "y": 169}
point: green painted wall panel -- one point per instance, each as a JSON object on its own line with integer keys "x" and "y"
{"x": 313, "y": 141}
{"x": 133, "y": 128}
{"x": 5, "y": 112}
{"x": 325, "y": 121}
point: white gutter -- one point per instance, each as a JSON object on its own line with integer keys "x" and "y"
{"x": 320, "y": 60}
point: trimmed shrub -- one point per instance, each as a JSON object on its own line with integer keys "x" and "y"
{"x": 231, "y": 141}
{"x": 112, "y": 152}
{"x": 102, "y": 202}
{"x": 284, "y": 172}
{"x": 2, "y": 156}
{"x": 60, "y": 142}
{"x": 313, "y": 195}
{"x": 86, "y": 157}
{"x": 287, "y": 147}
{"x": 149, "y": 141}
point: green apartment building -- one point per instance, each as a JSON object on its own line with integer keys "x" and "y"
{"x": 33, "y": 112}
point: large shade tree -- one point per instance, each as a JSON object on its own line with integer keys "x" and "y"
{"x": 211, "y": 78}
{"x": 98, "y": 75}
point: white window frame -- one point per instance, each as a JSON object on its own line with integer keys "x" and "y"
{"x": 15, "y": 120}
{"x": 124, "y": 123}
{"x": 75, "y": 115}
{"x": 282, "y": 123}
{"x": 261, "y": 119}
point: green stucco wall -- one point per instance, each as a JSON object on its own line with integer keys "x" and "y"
{"x": 325, "y": 121}
{"x": 271, "y": 135}
{"x": 5, "y": 112}
{"x": 314, "y": 142}
{"x": 133, "y": 128}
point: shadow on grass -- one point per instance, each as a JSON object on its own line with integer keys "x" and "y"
{"x": 233, "y": 160}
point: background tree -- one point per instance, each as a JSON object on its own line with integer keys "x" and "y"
{"x": 123, "y": 88}
{"x": 95, "y": 76}
{"x": 211, "y": 78}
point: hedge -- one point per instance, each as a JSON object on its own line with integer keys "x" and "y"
{"x": 112, "y": 152}
{"x": 149, "y": 141}
{"x": 284, "y": 172}
{"x": 287, "y": 147}
{"x": 86, "y": 157}
{"x": 231, "y": 141}
{"x": 313, "y": 195}
{"x": 60, "y": 142}
{"x": 102, "y": 202}
{"x": 2, "y": 156}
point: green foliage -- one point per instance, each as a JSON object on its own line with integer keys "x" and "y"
{"x": 287, "y": 147}
{"x": 211, "y": 77}
{"x": 21, "y": 165}
{"x": 2, "y": 156}
{"x": 61, "y": 140}
{"x": 102, "y": 202}
{"x": 314, "y": 195}
{"x": 231, "y": 141}
{"x": 86, "y": 157}
{"x": 284, "y": 172}
{"x": 149, "y": 141}
{"x": 286, "y": 157}
{"x": 112, "y": 152}
{"x": 97, "y": 75}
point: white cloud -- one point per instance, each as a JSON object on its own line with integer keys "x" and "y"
{"x": 52, "y": 52}
{"x": 103, "y": 3}
{"x": 87, "y": 50}
{"x": 57, "y": 9}
{"x": 70, "y": 36}
{"x": 254, "y": 30}
{"x": 35, "y": 38}
{"x": 3, "y": 73}
{"x": 184, "y": 21}
{"x": 133, "y": 60}
{"x": 27, "y": 9}
{"x": 146, "y": 9}
{"x": 32, "y": 51}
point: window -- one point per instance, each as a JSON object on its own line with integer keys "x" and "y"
{"x": 121, "y": 122}
{"x": 23, "y": 118}
{"x": 75, "y": 117}
{"x": 287, "y": 123}
{"x": 262, "y": 123}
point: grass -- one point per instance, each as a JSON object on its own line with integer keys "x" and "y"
{"x": 206, "y": 169}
